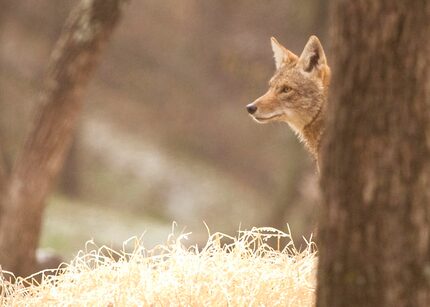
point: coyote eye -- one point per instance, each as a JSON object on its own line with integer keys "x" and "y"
{"x": 286, "y": 89}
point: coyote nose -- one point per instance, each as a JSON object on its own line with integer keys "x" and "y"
{"x": 251, "y": 108}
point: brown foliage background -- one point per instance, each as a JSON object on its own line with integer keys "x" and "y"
{"x": 164, "y": 133}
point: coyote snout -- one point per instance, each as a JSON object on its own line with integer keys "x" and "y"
{"x": 297, "y": 92}
{"x": 264, "y": 109}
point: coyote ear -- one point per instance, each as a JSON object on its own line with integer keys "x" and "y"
{"x": 282, "y": 55}
{"x": 313, "y": 55}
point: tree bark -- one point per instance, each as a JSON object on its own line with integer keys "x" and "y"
{"x": 69, "y": 181}
{"x": 374, "y": 232}
{"x": 73, "y": 59}
{"x": 4, "y": 8}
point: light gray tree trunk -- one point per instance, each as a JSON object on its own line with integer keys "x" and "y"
{"x": 73, "y": 59}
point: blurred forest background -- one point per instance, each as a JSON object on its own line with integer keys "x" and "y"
{"x": 164, "y": 135}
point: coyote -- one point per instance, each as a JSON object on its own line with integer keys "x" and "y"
{"x": 297, "y": 93}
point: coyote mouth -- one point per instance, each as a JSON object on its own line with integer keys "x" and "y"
{"x": 263, "y": 119}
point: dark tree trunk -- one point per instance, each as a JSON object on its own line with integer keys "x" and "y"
{"x": 4, "y": 8}
{"x": 72, "y": 61}
{"x": 374, "y": 233}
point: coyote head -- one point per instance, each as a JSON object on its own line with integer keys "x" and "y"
{"x": 297, "y": 92}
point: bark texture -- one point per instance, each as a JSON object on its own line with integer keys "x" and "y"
{"x": 73, "y": 59}
{"x": 374, "y": 231}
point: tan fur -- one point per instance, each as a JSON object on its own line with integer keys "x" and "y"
{"x": 297, "y": 93}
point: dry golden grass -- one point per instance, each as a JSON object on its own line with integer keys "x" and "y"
{"x": 244, "y": 272}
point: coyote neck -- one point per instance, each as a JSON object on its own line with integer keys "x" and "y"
{"x": 313, "y": 131}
